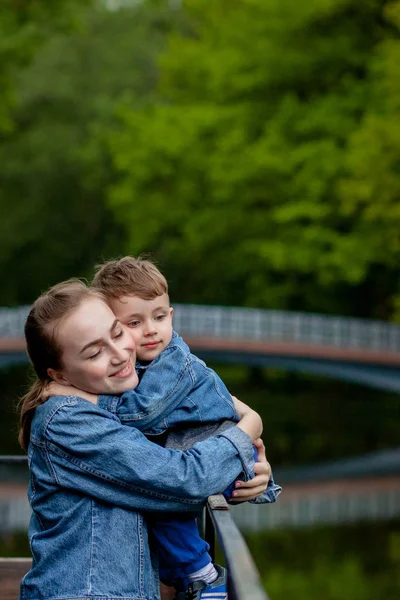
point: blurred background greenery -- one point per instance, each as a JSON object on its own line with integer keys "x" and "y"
{"x": 253, "y": 148}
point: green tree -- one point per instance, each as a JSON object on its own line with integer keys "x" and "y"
{"x": 369, "y": 191}
{"x": 24, "y": 25}
{"x": 243, "y": 158}
{"x": 53, "y": 167}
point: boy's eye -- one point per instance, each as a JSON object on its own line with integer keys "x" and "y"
{"x": 133, "y": 323}
{"x": 160, "y": 317}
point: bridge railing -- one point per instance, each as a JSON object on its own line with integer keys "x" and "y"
{"x": 279, "y": 326}
{"x": 243, "y": 578}
{"x": 12, "y": 321}
{"x": 254, "y": 324}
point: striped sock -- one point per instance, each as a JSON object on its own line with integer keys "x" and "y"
{"x": 207, "y": 574}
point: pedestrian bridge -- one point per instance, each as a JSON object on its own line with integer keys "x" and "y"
{"x": 366, "y": 352}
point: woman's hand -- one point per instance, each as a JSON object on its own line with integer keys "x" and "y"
{"x": 248, "y": 490}
{"x": 56, "y": 389}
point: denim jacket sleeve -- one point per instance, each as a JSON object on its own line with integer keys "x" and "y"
{"x": 91, "y": 452}
{"x": 163, "y": 386}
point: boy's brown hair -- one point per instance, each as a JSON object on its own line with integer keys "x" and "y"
{"x": 130, "y": 276}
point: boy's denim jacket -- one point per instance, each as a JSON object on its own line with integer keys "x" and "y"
{"x": 90, "y": 480}
{"x": 176, "y": 389}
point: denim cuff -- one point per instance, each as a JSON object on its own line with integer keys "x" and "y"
{"x": 244, "y": 446}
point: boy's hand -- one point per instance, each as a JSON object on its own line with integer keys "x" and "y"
{"x": 240, "y": 407}
{"x": 251, "y": 424}
{"x": 261, "y": 456}
{"x": 56, "y": 389}
{"x": 250, "y": 421}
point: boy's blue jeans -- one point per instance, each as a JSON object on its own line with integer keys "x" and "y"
{"x": 180, "y": 548}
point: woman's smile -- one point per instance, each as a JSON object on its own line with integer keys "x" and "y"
{"x": 126, "y": 371}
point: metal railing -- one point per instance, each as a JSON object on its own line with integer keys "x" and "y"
{"x": 13, "y": 460}
{"x": 254, "y": 324}
{"x": 12, "y": 321}
{"x": 243, "y": 578}
{"x": 217, "y": 521}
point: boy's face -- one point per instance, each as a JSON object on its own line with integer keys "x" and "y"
{"x": 149, "y": 322}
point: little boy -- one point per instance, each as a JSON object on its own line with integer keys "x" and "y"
{"x": 179, "y": 399}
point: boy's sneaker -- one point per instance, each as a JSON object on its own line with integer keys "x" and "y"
{"x": 200, "y": 590}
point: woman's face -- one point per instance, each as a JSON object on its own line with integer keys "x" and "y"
{"x": 98, "y": 353}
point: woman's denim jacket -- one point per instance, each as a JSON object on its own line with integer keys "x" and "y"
{"x": 91, "y": 478}
{"x": 178, "y": 390}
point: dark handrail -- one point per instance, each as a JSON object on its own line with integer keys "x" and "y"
{"x": 243, "y": 578}
{"x": 13, "y": 460}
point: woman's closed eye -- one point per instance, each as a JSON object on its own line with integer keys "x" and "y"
{"x": 98, "y": 351}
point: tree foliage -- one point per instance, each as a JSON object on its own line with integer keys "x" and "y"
{"x": 267, "y": 118}
{"x": 24, "y": 25}
{"x": 53, "y": 168}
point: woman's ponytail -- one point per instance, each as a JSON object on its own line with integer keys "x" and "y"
{"x": 28, "y": 403}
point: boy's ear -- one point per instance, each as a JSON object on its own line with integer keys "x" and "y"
{"x": 57, "y": 376}
{"x": 171, "y": 312}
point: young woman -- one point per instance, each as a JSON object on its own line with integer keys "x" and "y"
{"x": 91, "y": 478}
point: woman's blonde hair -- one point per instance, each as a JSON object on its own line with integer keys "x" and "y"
{"x": 41, "y": 342}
